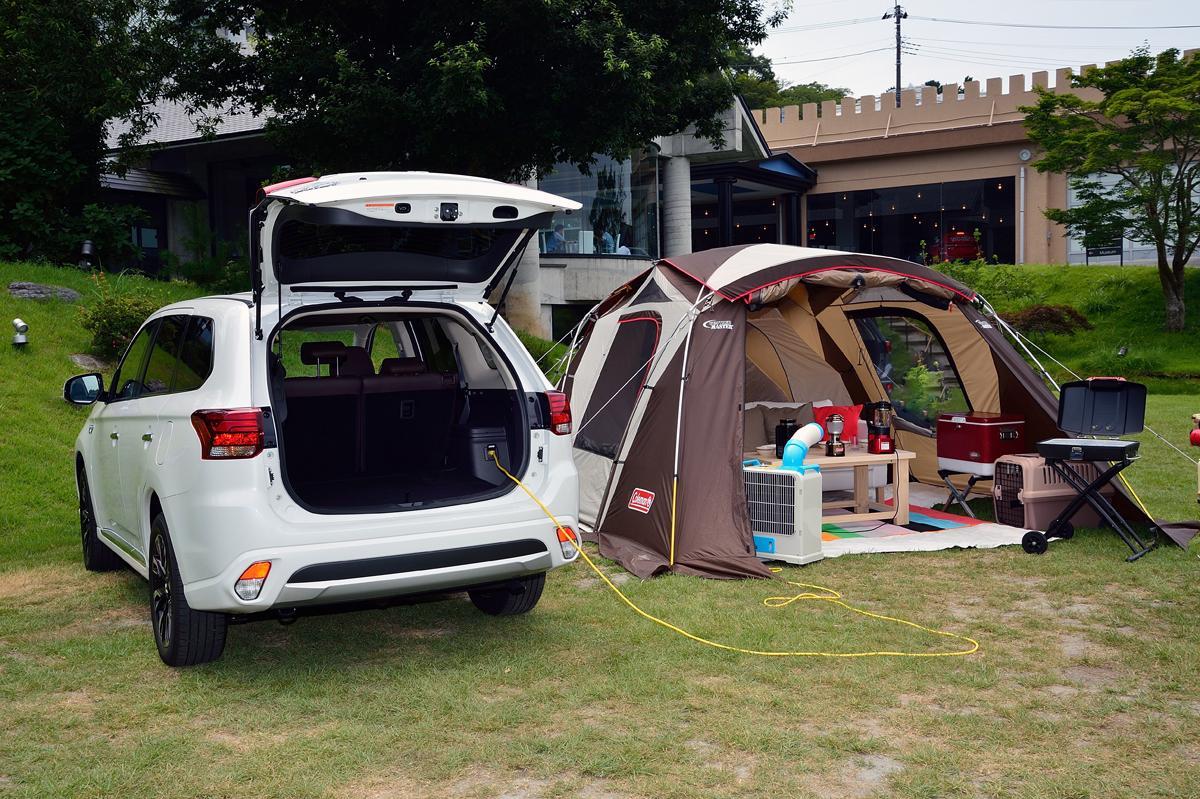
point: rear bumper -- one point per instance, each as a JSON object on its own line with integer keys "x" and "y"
{"x": 372, "y": 569}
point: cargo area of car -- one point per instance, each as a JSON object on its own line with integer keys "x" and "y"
{"x": 379, "y": 411}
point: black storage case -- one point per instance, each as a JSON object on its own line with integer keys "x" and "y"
{"x": 471, "y": 446}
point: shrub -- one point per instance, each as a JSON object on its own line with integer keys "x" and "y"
{"x": 113, "y": 313}
{"x": 1003, "y": 285}
{"x": 1042, "y": 319}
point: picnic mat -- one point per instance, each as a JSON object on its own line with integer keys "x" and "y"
{"x": 926, "y": 530}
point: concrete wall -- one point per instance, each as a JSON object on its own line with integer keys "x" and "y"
{"x": 585, "y": 280}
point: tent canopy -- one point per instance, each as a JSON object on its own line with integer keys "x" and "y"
{"x": 739, "y": 273}
{"x": 661, "y": 376}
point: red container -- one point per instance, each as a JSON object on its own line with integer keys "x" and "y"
{"x": 971, "y": 442}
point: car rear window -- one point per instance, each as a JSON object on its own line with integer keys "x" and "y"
{"x": 195, "y": 355}
{"x": 305, "y": 240}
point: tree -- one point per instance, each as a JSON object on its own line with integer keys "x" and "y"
{"x": 1133, "y": 158}
{"x": 801, "y": 93}
{"x": 497, "y": 89}
{"x": 66, "y": 71}
{"x": 755, "y": 80}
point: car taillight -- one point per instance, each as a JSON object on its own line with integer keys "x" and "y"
{"x": 560, "y": 413}
{"x": 229, "y": 434}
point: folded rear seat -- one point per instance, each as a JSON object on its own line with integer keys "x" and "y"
{"x": 408, "y": 414}
{"x": 323, "y": 429}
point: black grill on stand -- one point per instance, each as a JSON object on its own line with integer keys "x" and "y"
{"x": 1099, "y": 406}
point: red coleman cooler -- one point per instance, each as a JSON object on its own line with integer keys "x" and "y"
{"x": 972, "y": 442}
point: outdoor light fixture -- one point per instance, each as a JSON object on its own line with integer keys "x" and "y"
{"x": 86, "y": 251}
{"x": 21, "y": 327}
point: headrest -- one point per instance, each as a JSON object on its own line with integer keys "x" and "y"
{"x": 312, "y": 352}
{"x": 402, "y": 366}
{"x": 358, "y": 362}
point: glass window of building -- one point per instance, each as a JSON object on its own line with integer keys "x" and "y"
{"x": 620, "y": 209}
{"x": 928, "y": 223}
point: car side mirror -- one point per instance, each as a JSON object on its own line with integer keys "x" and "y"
{"x": 84, "y": 389}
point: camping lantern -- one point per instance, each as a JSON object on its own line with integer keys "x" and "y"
{"x": 834, "y": 446}
{"x": 879, "y": 428}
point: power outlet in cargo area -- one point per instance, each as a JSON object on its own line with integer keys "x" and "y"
{"x": 480, "y": 449}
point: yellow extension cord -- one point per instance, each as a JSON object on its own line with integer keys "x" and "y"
{"x": 829, "y": 595}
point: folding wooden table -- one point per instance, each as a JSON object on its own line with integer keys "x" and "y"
{"x": 860, "y": 505}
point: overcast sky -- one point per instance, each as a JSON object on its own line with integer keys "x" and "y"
{"x": 947, "y": 52}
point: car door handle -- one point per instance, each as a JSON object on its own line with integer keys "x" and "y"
{"x": 113, "y": 435}
{"x": 147, "y": 436}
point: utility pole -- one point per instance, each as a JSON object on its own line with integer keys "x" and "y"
{"x": 897, "y": 13}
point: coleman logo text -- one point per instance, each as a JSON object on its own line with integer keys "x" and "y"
{"x": 641, "y": 500}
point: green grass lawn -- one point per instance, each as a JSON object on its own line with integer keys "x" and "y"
{"x": 1085, "y": 685}
{"x": 1125, "y": 307}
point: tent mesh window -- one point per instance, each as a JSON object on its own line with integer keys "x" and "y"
{"x": 620, "y": 382}
{"x": 771, "y": 501}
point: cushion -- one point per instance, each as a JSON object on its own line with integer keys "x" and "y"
{"x": 754, "y": 433}
{"x": 773, "y": 412}
{"x": 850, "y": 413}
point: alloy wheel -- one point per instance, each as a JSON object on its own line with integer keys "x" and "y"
{"x": 160, "y": 590}
{"x": 87, "y": 522}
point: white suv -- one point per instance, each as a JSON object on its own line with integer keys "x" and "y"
{"x": 333, "y": 436}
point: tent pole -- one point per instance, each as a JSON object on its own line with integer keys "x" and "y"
{"x": 687, "y": 342}
{"x": 1016, "y": 337}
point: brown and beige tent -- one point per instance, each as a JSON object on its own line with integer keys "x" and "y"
{"x": 677, "y": 373}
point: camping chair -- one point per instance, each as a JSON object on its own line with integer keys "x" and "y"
{"x": 1096, "y": 406}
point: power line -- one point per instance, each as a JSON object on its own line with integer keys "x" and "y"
{"x": 986, "y": 57}
{"x": 816, "y": 26}
{"x": 830, "y": 58}
{"x": 1058, "y": 27}
{"x": 1030, "y": 45}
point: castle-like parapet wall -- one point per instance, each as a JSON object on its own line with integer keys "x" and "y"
{"x": 922, "y": 109}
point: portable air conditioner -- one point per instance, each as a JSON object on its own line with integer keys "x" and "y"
{"x": 1029, "y": 494}
{"x": 785, "y": 513}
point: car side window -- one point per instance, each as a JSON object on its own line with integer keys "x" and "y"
{"x": 195, "y": 355}
{"x": 127, "y": 382}
{"x": 160, "y": 368}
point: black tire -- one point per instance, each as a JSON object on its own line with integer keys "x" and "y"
{"x": 1063, "y": 531}
{"x": 97, "y": 557}
{"x": 1034, "y": 543}
{"x": 184, "y": 637}
{"x": 510, "y": 599}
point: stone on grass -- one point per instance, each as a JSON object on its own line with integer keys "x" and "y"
{"x": 90, "y": 363}
{"x": 23, "y": 290}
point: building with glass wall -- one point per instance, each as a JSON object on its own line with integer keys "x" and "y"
{"x": 620, "y": 208}
{"x": 928, "y": 222}
{"x": 943, "y": 175}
